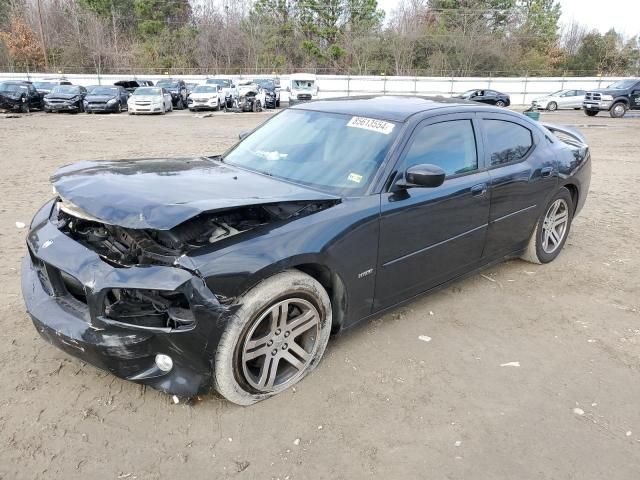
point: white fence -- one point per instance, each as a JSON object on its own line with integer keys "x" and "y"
{"x": 522, "y": 90}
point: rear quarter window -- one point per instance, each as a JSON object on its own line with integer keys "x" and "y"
{"x": 508, "y": 142}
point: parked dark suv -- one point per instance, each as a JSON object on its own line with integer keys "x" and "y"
{"x": 178, "y": 91}
{"x": 131, "y": 85}
{"x": 617, "y": 98}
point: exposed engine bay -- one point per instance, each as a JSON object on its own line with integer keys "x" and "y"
{"x": 128, "y": 247}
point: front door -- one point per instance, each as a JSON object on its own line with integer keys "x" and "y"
{"x": 634, "y": 99}
{"x": 430, "y": 235}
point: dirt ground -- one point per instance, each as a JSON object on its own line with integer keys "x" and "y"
{"x": 532, "y": 372}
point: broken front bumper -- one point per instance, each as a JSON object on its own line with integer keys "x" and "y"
{"x": 77, "y": 324}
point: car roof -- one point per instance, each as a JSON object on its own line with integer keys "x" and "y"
{"x": 397, "y": 108}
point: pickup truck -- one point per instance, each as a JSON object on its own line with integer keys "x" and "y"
{"x": 617, "y": 98}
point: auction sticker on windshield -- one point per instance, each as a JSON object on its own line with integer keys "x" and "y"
{"x": 372, "y": 124}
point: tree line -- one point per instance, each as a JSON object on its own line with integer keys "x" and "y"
{"x": 419, "y": 37}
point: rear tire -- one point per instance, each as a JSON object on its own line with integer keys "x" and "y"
{"x": 291, "y": 350}
{"x": 551, "y": 230}
{"x": 500, "y": 104}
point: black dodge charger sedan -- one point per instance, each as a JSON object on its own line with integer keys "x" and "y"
{"x": 490, "y": 97}
{"x": 106, "y": 99}
{"x": 230, "y": 272}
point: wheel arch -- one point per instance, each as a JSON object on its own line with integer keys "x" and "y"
{"x": 333, "y": 284}
{"x": 575, "y": 194}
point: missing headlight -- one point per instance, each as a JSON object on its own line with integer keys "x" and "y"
{"x": 149, "y": 308}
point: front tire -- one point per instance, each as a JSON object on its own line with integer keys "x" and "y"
{"x": 618, "y": 110}
{"x": 552, "y": 107}
{"x": 591, "y": 113}
{"x": 276, "y": 337}
{"x": 552, "y": 229}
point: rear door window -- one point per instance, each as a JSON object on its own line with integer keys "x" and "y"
{"x": 508, "y": 142}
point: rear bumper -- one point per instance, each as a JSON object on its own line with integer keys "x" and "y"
{"x": 81, "y": 328}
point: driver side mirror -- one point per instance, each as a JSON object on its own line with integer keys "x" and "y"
{"x": 242, "y": 135}
{"x": 424, "y": 175}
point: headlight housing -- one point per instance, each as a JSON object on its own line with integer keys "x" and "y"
{"x": 606, "y": 97}
{"x": 112, "y": 101}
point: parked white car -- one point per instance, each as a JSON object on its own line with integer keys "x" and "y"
{"x": 206, "y": 97}
{"x": 560, "y": 99}
{"x": 150, "y": 100}
{"x": 302, "y": 88}
{"x": 228, "y": 87}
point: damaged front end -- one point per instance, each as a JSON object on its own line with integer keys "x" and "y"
{"x": 117, "y": 297}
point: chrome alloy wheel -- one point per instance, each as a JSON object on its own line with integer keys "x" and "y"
{"x": 279, "y": 345}
{"x": 554, "y": 226}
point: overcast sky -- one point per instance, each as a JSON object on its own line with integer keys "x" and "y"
{"x": 624, "y": 15}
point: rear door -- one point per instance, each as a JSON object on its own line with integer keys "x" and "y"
{"x": 566, "y": 99}
{"x": 522, "y": 175}
{"x": 430, "y": 235}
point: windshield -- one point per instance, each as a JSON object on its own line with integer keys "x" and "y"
{"x": 44, "y": 85}
{"x": 167, "y": 84}
{"x": 303, "y": 84}
{"x": 623, "y": 84}
{"x": 332, "y": 152}
{"x": 103, "y": 91}
{"x": 147, "y": 91}
{"x": 66, "y": 89}
{"x": 558, "y": 93}
{"x": 11, "y": 87}
{"x": 265, "y": 83}
{"x": 205, "y": 89}
{"x": 217, "y": 81}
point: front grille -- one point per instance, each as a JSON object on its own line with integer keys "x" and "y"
{"x": 97, "y": 104}
{"x": 593, "y": 96}
{"x": 143, "y": 103}
{"x": 304, "y": 96}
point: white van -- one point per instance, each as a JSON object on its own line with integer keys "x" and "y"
{"x": 302, "y": 88}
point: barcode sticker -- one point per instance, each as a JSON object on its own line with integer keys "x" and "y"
{"x": 372, "y": 124}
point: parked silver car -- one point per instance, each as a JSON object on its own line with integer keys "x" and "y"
{"x": 560, "y": 99}
{"x": 150, "y": 100}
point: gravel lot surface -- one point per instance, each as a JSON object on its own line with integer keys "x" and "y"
{"x": 523, "y": 372}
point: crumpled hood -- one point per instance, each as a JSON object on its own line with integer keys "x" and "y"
{"x": 162, "y": 193}
{"x": 62, "y": 96}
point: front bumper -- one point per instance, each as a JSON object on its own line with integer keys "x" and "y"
{"x": 101, "y": 107}
{"x": 206, "y": 105}
{"x": 81, "y": 328}
{"x": 62, "y": 107}
{"x": 598, "y": 105}
{"x": 137, "y": 109}
{"x": 10, "y": 104}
